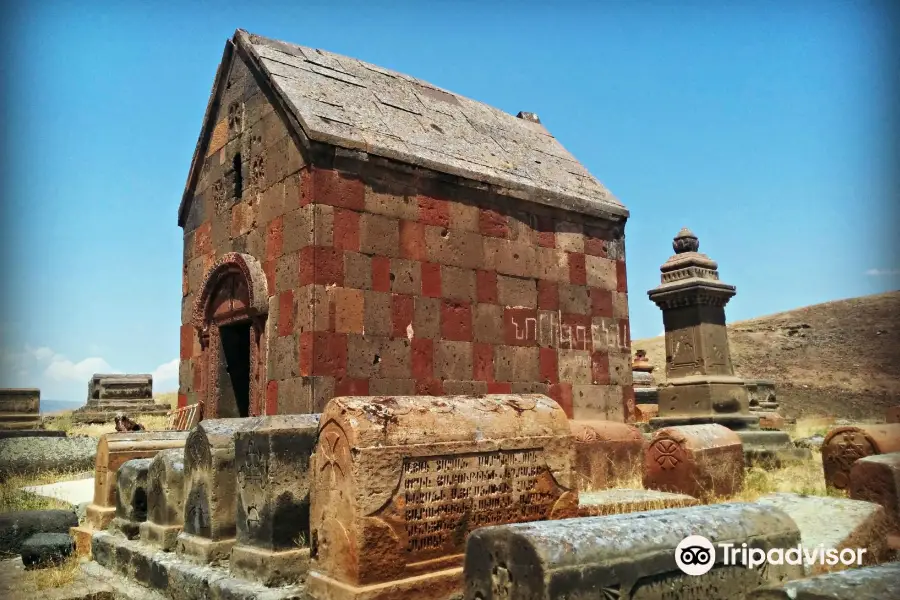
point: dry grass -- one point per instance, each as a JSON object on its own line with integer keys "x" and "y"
{"x": 54, "y": 577}
{"x": 63, "y": 422}
{"x": 12, "y": 498}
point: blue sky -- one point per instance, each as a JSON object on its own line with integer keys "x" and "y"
{"x": 765, "y": 128}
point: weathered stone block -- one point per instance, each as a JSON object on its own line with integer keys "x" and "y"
{"x": 843, "y": 446}
{"x": 400, "y": 481}
{"x": 20, "y": 409}
{"x": 18, "y": 526}
{"x": 272, "y": 459}
{"x": 870, "y": 583}
{"x": 619, "y": 501}
{"x": 131, "y": 496}
{"x": 702, "y": 461}
{"x": 210, "y": 494}
{"x": 606, "y": 452}
{"x": 877, "y": 479}
{"x": 770, "y": 420}
{"x": 165, "y": 499}
{"x": 835, "y": 523}
{"x": 626, "y": 556}
{"x": 46, "y": 549}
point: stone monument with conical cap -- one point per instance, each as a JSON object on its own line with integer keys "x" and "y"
{"x": 701, "y": 386}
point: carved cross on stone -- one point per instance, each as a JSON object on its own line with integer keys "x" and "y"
{"x": 253, "y": 469}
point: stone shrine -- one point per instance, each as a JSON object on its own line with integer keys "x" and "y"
{"x": 349, "y": 230}
{"x": 111, "y": 394}
{"x": 401, "y": 481}
{"x": 700, "y": 385}
{"x": 20, "y": 409}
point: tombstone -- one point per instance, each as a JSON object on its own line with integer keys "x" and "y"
{"x": 835, "y": 523}
{"x": 627, "y": 556}
{"x": 770, "y": 421}
{"x": 400, "y": 481}
{"x": 20, "y": 409}
{"x": 272, "y": 460}
{"x": 114, "y": 450}
{"x": 877, "y": 479}
{"x": 703, "y": 461}
{"x": 165, "y": 499}
{"x": 606, "y": 452}
{"x": 843, "y": 446}
{"x": 701, "y": 386}
{"x": 210, "y": 490}
{"x": 131, "y": 497}
{"x": 620, "y": 501}
{"x": 869, "y": 583}
{"x": 641, "y": 370}
{"x": 111, "y": 394}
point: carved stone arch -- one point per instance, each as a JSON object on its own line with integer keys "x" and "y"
{"x": 234, "y": 293}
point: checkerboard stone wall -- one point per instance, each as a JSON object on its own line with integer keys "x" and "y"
{"x": 385, "y": 281}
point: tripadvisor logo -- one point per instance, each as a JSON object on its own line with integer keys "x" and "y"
{"x": 696, "y": 555}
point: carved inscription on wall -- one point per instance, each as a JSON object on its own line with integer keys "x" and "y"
{"x": 446, "y": 497}
{"x": 548, "y": 329}
{"x": 720, "y": 582}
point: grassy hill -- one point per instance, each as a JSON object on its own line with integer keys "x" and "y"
{"x": 839, "y": 359}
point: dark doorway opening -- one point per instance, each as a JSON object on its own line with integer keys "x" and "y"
{"x": 235, "y": 373}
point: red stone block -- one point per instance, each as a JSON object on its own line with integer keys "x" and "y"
{"x": 431, "y": 280}
{"x": 601, "y": 303}
{"x": 600, "y": 367}
{"x": 429, "y": 387}
{"x": 348, "y": 386}
{"x": 548, "y": 295}
{"x": 877, "y": 479}
{"x": 580, "y": 328}
{"x": 493, "y": 224}
{"x": 545, "y": 233}
{"x": 337, "y": 189}
{"x": 843, "y": 446}
{"x": 323, "y": 353}
{"x": 594, "y": 246}
{"x": 286, "y": 313}
{"x": 562, "y": 394}
{"x": 645, "y": 412}
{"x": 892, "y": 414}
{"x": 198, "y": 375}
{"x": 203, "y": 239}
{"x": 520, "y": 326}
{"x": 577, "y": 269}
{"x": 703, "y": 461}
{"x": 606, "y": 453}
{"x": 269, "y": 269}
{"x": 483, "y": 362}
{"x": 433, "y": 211}
{"x": 486, "y": 283}
{"x": 499, "y": 387}
{"x": 346, "y": 230}
{"x": 187, "y": 341}
{"x": 770, "y": 420}
{"x": 381, "y": 274}
{"x": 549, "y": 360}
{"x": 456, "y": 321}
{"x": 322, "y": 265}
{"x": 412, "y": 240}
{"x": 621, "y": 278}
{"x": 272, "y": 398}
{"x": 422, "y": 358}
{"x": 182, "y": 400}
{"x": 402, "y": 314}
{"x": 274, "y": 238}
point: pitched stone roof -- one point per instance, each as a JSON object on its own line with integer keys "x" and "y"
{"x": 348, "y": 103}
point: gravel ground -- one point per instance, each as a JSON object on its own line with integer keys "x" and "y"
{"x": 33, "y": 455}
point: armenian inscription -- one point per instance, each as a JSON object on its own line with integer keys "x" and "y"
{"x": 446, "y": 497}
{"x": 715, "y": 584}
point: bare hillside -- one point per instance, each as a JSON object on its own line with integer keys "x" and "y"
{"x": 840, "y": 358}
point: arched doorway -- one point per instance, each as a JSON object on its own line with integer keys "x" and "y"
{"x": 230, "y": 317}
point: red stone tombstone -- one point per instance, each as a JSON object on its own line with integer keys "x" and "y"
{"x": 877, "y": 479}
{"x": 400, "y": 481}
{"x": 605, "y": 452}
{"x": 843, "y": 446}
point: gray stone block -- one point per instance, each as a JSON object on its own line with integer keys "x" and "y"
{"x": 16, "y": 527}
{"x": 46, "y": 549}
{"x": 870, "y": 583}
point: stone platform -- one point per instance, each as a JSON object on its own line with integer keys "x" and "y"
{"x": 111, "y": 394}
{"x": 165, "y": 575}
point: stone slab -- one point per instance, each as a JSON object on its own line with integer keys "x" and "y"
{"x": 835, "y": 523}
{"x": 770, "y": 448}
{"x": 845, "y": 445}
{"x": 877, "y": 479}
{"x": 46, "y": 549}
{"x": 77, "y": 491}
{"x": 625, "y": 556}
{"x": 400, "y": 481}
{"x": 606, "y": 452}
{"x": 170, "y": 576}
{"x": 19, "y": 433}
{"x": 619, "y": 501}
{"x": 16, "y": 527}
{"x": 870, "y": 583}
